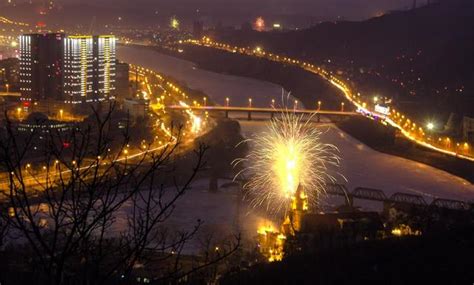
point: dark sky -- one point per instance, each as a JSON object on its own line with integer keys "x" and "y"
{"x": 290, "y": 13}
{"x": 329, "y": 9}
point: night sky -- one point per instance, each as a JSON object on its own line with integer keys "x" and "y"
{"x": 290, "y": 13}
{"x": 327, "y": 9}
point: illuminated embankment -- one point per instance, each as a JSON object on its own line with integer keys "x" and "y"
{"x": 394, "y": 118}
{"x": 153, "y": 87}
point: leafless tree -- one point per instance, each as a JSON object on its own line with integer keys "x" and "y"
{"x": 96, "y": 210}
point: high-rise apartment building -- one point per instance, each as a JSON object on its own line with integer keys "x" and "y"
{"x": 74, "y": 69}
{"x": 41, "y": 66}
{"x": 122, "y": 87}
{"x": 104, "y": 65}
{"x": 78, "y": 69}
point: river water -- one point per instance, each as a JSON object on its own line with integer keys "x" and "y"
{"x": 361, "y": 166}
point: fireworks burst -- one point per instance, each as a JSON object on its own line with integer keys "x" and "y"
{"x": 288, "y": 154}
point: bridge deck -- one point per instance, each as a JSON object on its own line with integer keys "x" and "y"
{"x": 260, "y": 110}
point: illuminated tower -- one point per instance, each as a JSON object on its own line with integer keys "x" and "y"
{"x": 26, "y": 67}
{"x": 104, "y": 65}
{"x": 78, "y": 69}
{"x": 299, "y": 207}
{"x": 41, "y": 66}
{"x": 72, "y": 69}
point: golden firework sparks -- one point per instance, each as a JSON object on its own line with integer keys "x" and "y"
{"x": 288, "y": 154}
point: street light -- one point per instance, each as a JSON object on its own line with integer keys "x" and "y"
{"x": 205, "y": 101}
{"x": 227, "y": 101}
{"x": 342, "y": 106}
{"x": 319, "y": 105}
{"x": 273, "y": 103}
{"x": 295, "y": 105}
{"x": 430, "y": 126}
{"x": 61, "y": 112}
{"x": 250, "y": 102}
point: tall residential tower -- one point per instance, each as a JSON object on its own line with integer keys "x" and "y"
{"x": 73, "y": 69}
{"x": 41, "y": 66}
{"x": 104, "y": 65}
{"x": 78, "y": 69}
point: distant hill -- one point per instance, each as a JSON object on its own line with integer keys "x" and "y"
{"x": 423, "y": 55}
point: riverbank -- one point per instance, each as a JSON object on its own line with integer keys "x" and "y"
{"x": 387, "y": 140}
{"x": 303, "y": 85}
{"x": 309, "y": 89}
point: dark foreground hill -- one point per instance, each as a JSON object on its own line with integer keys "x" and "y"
{"x": 445, "y": 258}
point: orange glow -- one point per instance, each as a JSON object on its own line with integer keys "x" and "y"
{"x": 259, "y": 24}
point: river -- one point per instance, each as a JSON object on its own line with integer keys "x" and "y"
{"x": 361, "y": 166}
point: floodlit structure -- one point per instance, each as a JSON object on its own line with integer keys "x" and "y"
{"x": 41, "y": 66}
{"x": 104, "y": 65}
{"x": 78, "y": 68}
{"x": 72, "y": 69}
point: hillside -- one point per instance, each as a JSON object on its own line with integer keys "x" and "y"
{"x": 422, "y": 57}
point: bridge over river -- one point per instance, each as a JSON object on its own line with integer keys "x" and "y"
{"x": 315, "y": 115}
{"x": 360, "y": 164}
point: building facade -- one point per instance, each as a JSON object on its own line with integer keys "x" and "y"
{"x": 72, "y": 69}
{"x": 41, "y": 66}
{"x": 78, "y": 69}
{"x": 136, "y": 108}
{"x": 122, "y": 88}
{"x": 104, "y": 65}
{"x": 468, "y": 129}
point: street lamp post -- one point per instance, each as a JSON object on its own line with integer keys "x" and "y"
{"x": 342, "y": 106}
{"x": 249, "y": 115}
{"x": 295, "y": 105}
{"x": 430, "y": 126}
{"x": 227, "y": 102}
{"x": 319, "y": 105}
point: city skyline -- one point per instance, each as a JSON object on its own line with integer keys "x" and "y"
{"x": 236, "y": 142}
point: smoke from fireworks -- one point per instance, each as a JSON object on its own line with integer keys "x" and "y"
{"x": 288, "y": 154}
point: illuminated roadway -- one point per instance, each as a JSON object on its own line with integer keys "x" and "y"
{"x": 261, "y": 110}
{"x": 41, "y": 180}
{"x": 348, "y": 94}
{"x": 47, "y": 176}
{"x": 14, "y": 94}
